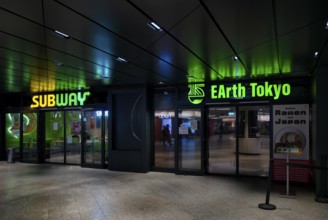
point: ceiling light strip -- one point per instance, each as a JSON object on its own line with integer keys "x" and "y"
{"x": 62, "y": 34}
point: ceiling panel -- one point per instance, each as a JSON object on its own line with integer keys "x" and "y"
{"x": 245, "y": 23}
{"x": 85, "y": 34}
{"x": 20, "y": 27}
{"x": 292, "y": 15}
{"x": 167, "y": 13}
{"x": 119, "y": 17}
{"x": 192, "y": 43}
{"x": 31, "y": 9}
{"x": 160, "y": 70}
{"x": 297, "y": 48}
{"x": 201, "y": 36}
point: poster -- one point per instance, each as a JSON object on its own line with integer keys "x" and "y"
{"x": 183, "y": 130}
{"x": 291, "y": 131}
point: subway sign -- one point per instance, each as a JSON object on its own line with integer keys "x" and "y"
{"x": 239, "y": 91}
{"x": 71, "y": 99}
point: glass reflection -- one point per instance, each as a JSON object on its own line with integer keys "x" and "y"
{"x": 189, "y": 140}
{"x": 54, "y": 143}
{"x": 73, "y": 137}
{"x": 30, "y": 137}
{"x": 164, "y": 139}
{"x": 222, "y": 140}
{"x": 13, "y": 132}
{"x": 254, "y": 142}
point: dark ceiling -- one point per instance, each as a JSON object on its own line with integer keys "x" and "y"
{"x": 197, "y": 43}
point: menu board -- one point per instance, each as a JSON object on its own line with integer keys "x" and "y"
{"x": 291, "y": 131}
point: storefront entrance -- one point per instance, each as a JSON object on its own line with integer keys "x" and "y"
{"x": 177, "y": 141}
{"x": 236, "y": 140}
{"x": 77, "y": 137}
{"x": 239, "y": 140}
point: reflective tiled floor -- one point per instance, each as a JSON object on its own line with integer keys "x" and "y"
{"x": 46, "y": 191}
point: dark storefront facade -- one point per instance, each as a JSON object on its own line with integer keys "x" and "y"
{"x": 222, "y": 129}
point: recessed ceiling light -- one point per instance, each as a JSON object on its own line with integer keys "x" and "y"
{"x": 326, "y": 25}
{"x": 61, "y": 34}
{"x": 58, "y": 63}
{"x": 161, "y": 83}
{"x": 122, "y": 60}
{"x": 154, "y": 26}
{"x": 316, "y": 54}
{"x": 189, "y": 75}
{"x": 235, "y": 58}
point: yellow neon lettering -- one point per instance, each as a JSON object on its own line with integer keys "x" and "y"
{"x": 35, "y": 102}
{"x": 51, "y": 100}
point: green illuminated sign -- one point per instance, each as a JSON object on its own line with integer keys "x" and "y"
{"x": 59, "y": 100}
{"x": 239, "y": 91}
{"x": 196, "y": 93}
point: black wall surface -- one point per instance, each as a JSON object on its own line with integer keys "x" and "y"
{"x": 129, "y": 132}
{"x": 320, "y": 124}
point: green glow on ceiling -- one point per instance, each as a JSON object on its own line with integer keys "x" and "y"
{"x": 286, "y": 66}
{"x": 196, "y": 70}
{"x": 269, "y": 68}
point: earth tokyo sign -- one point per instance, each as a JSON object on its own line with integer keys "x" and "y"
{"x": 59, "y": 100}
{"x": 238, "y": 91}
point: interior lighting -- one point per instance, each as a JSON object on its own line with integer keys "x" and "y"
{"x": 122, "y": 60}
{"x": 235, "y": 58}
{"x": 154, "y": 26}
{"x": 61, "y": 34}
{"x": 326, "y": 25}
{"x": 316, "y": 54}
{"x": 58, "y": 63}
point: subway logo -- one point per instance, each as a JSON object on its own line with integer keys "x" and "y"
{"x": 59, "y": 100}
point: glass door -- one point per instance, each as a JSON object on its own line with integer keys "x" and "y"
{"x": 164, "y": 153}
{"x": 54, "y": 137}
{"x": 73, "y": 137}
{"x": 222, "y": 140}
{"x": 13, "y": 132}
{"x": 189, "y": 147}
{"x": 95, "y": 138}
{"x": 30, "y": 140}
{"x": 254, "y": 140}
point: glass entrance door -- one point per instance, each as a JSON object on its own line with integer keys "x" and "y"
{"x": 95, "y": 138}
{"x": 13, "y": 134}
{"x": 222, "y": 140}
{"x": 190, "y": 150}
{"x": 254, "y": 140}
{"x": 73, "y": 137}
{"x": 54, "y": 137}
{"x": 164, "y": 152}
{"x": 30, "y": 140}
{"x": 247, "y": 127}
